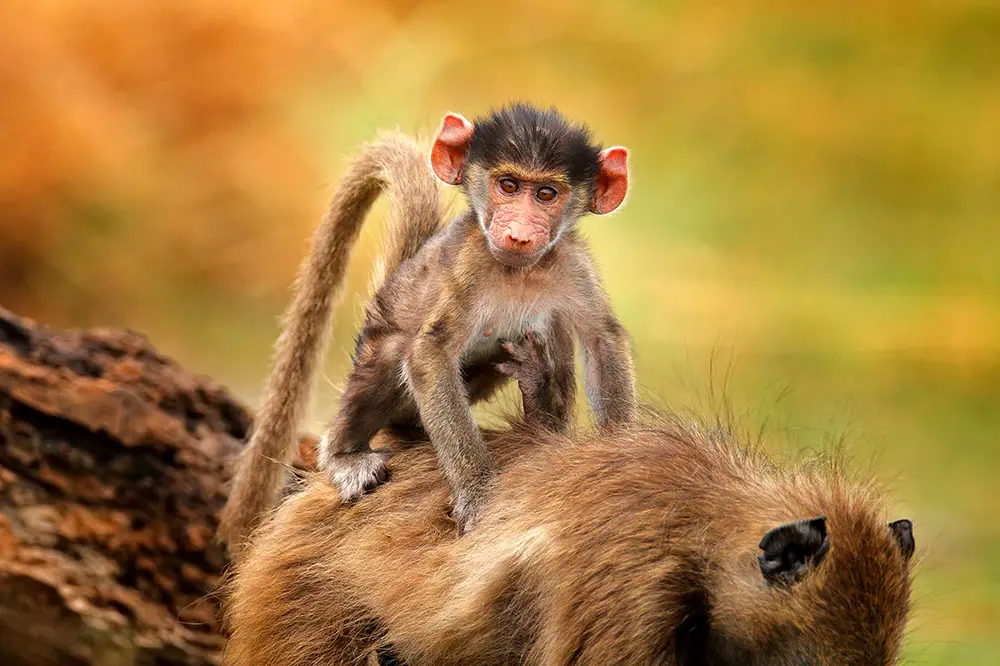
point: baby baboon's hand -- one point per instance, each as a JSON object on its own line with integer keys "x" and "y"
{"x": 532, "y": 366}
{"x": 530, "y": 363}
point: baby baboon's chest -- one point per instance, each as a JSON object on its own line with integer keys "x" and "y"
{"x": 508, "y": 322}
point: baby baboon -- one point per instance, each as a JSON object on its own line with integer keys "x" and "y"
{"x": 664, "y": 543}
{"x": 435, "y": 332}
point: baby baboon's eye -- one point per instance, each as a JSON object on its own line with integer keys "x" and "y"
{"x": 508, "y": 185}
{"x": 545, "y": 193}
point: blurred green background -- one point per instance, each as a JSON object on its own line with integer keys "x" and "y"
{"x": 814, "y": 219}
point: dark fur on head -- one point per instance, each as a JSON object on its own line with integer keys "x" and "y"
{"x": 544, "y": 140}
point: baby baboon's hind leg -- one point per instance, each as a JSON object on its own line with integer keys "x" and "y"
{"x": 368, "y": 404}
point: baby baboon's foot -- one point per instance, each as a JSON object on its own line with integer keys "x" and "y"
{"x": 355, "y": 474}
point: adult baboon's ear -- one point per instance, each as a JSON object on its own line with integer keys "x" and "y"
{"x": 791, "y": 549}
{"x": 902, "y": 532}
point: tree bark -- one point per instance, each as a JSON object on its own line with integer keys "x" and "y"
{"x": 113, "y": 469}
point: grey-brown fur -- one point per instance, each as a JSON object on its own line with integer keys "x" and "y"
{"x": 418, "y": 257}
{"x": 434, "y": 330}
{"x": 641, "y": 549}
{"x": 443, "y": 314}
{"x": 407, "y": 356}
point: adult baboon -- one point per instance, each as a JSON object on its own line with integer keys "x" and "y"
{"x": 664, "y": 543}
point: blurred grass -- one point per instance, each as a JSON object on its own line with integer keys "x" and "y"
{"x": 816, "y": 206}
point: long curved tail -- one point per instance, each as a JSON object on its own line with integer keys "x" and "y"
{"x": 393, "y": 164}
{"x": 414, "y": 208}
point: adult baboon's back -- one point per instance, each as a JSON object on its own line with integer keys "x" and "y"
{"x": 645, "y": 548}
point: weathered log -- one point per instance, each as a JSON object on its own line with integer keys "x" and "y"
{"x": 113, "y": 468}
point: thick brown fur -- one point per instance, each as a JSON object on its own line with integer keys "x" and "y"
{"x": 641, "y": 549}
{"x": 394, "y": 164}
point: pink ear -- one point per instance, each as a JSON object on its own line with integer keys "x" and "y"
{"x": 450, "y": 147}
{"x": 612, "y": 180}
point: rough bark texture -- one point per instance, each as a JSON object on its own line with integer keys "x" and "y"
{"x": 113, "y": 466}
